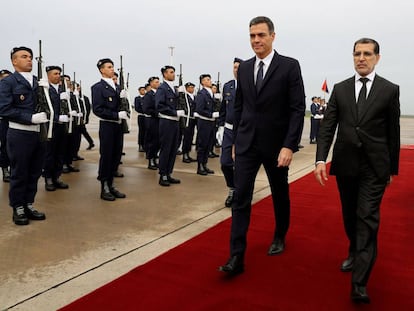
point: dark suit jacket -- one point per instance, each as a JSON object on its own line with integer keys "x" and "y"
{"x": 375, "y": 133}
{"x": 273, "y": 118}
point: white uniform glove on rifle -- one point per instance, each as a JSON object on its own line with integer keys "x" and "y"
{"x": 64, "y": 96}
{"x": 76, "y": 92}
{"x": 123, "y": 94}
{"x": 63, "y": 118}
{"x": 181, "y": 89}
{"x": 73, "y": 113}
{"x": 216, "y": 114}
{"x": 80, "y": 115}
{"x": 220, "y": 134}
{"x": 40, "y": 117}
{"x": 180, "y": 113}
{"x": 123, "y": 115}
{"x": 44, "y": 83}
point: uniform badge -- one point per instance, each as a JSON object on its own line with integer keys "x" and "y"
{"x": 22, "y": 97}
{"x": 110, "y": 99}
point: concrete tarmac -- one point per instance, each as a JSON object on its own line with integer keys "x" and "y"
{"x": 86, "y": 242}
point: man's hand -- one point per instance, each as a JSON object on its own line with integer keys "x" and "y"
{"x": 233, "y": 152}
{"x": 285, "y": 157}
{"x": 320, "y": 173}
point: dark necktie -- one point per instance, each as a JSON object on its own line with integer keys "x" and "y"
{"x": 362, "y": 97}
{"x": 259, "y": 77}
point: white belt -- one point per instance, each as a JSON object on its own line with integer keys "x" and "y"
{"x": 196, "y": 114}
{"x": 173, "y": 118}
{"x": 24, "y": 127}
{"x": 113, "y": 121}
{"x": 228, "y": 126}
{"x": 147, "y": 115}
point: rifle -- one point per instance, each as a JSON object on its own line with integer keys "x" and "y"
{"x": 44, "y": 103}
{"x": 64, "y": 104}
{"x": 124, "y": 105}
{"x": 182, "y": 103}
{"x": 217, "y": 101}
{"x": 82, "y": 100}
{"x": 76, "y": 94}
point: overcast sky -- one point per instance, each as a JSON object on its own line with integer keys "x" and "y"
{"x": 207, "y": 35}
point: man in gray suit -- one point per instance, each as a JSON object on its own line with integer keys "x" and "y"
{"x": 366, "y": 110}
{"x": 268, "y": 121}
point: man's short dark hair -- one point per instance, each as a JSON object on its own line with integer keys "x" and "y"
{"x": 261, "y": 20}
{"x": 366, "y": 41}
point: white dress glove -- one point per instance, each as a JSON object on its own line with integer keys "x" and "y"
{"x": 220, "y": 134}
{"x": 63, "y": 118}
{"x": 76, "y": 92}
{"x": 73, "y": 113}
{"x": 123, "y": 94}
{"x": 44, "y": 83}
{"x": 80, "y": 115}
{"x": 216, "y": 114}
{"x": 181, "y": 89}
{"x": 40, "y": 117}
{"x": 180, "y": 113}
{"x": 217, "y": 96}
{"x": 64, "y": 96}
{"x": 123, "y": 115}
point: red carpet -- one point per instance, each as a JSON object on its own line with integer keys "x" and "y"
{"x": 306, "y": 277}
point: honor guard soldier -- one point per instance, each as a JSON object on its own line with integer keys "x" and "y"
{"x": 105, "y": 105}
{"x": 189, "y": 130}
{"x": 18, "y": 102}
{"x": 205, "y": 124}
{"x": 4, "y": 126}
{"x": 166, "y": 101}
{"x": 225, "y": 135}
{"x": 140, "y": 118}
{"x": 151, "y": 123}
{"x": 55, "y": 147}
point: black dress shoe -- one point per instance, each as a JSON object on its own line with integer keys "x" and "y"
{"x": 90, "y": 146}
{"x": 359, "y": 294}
{"x": 164, "y": 181}
{"x": 33, "y": 214}
{"x": 173, "y": 180}
{"x": 201, "y": 170}
{"x": 209, "y": 171}
{"x": 106, "y": 192}
{"x": 6, "y": 174}
{"x": 77, "y": 157}
{"x": 233, "y": 266}
{"x": 73, "y": 169}
{"x": 141, "y": 149}
{"x": 19, "y": 216}
{"x": 229, "y": 200}
{"x": 65, "y": 169}
{"x": 116, "y": 193}
{"x": 300, "y": 146}
{"x": 347, "y": 264}
{"x": 118, "y": 174}
{"x": 49, "y": 185}
{"x": 277, "y": 247}
{"x": 60, "y": 184}
{"x": 152, "y": 165}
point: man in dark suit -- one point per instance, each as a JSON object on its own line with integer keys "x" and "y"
{"x": 366, "y": 109}
{"x": 268, "y": 120}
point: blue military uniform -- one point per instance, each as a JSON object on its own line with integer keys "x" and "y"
{"x": 166, "y": 100}
{"x": 152, "y": 144}
{"x": 205, "y": 129}
{"x": 105, "y": 105}
{"x": 18, "y": 101}
{"x": 141, "y": 122}
{"x": 189, "y": 130}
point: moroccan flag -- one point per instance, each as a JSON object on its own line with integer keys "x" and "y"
{"x": 325, "y": 87}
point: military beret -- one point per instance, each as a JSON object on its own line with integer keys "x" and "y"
{"x": 204, "y": 75}
{"x": 188, "y": 84}
{"x": 5, "y": 72}
{"x": 103, "y": 61}
{"x": 66, "y": 76}
{"x": 237, "y": 60}
{"x": 20, "y": 48}
{"x": 165, "y": 68}
{"x": 49, "y": 68}
{"x": 152, "y": 79}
